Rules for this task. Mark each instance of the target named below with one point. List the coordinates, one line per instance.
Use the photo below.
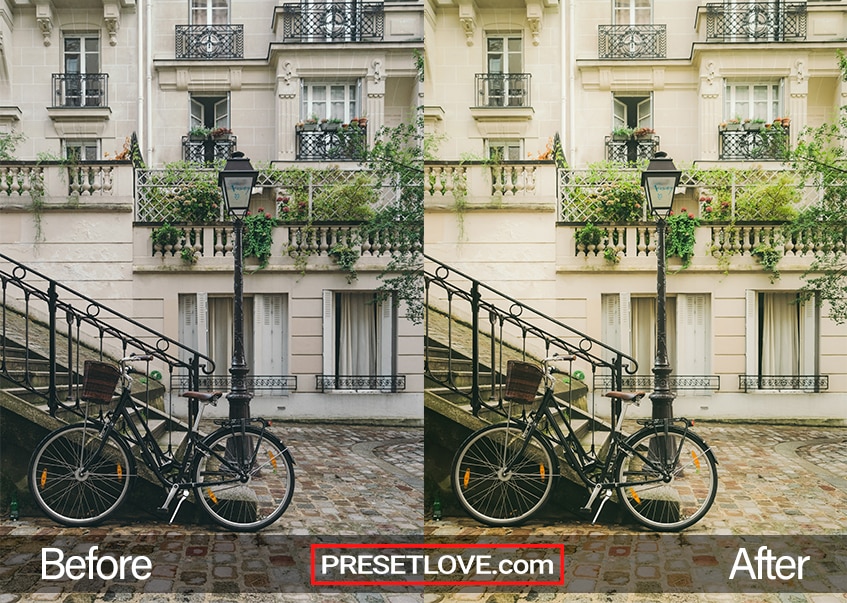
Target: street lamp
(237, 180)
(659, 181)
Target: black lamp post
(659, 181)
(237, 180)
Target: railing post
(52, 396)
(476, 403)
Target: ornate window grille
(503, 89)
(361, 382)
(755, 21)
(333, 22)
(632, 150)
(677, 382)
(632, 41)
(255, 383)
(765, 144)
(209, 41)
(80, 89)
(207, 151)
(815, 383)
(343, 145)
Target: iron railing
(348, 144)
(315, 22)
(766, 144)
(755, 21)
(80, 90)
(632, 41)
(676, 382)
(384, 383)
(263, 384)
(207, 150)
(814, 383)
(631, 150)
(209, 42)
(502, 89)
(43, 322)
(512, 329)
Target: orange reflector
(212, 496)
(467, 478)
(44, 478)
(120, 473)
(635, 496)
(541, 471)
(696, 460)
(273, 458)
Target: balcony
(329, 22)
(755, 21)
(502, 89)
(765, 144)
(209, 42)
(630, 150)
(344, 144)
(207, 150)
(632, 41)
(72, 90)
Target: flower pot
(330, 126)
(753, 126)
(733, 127)
(310, 127)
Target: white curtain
(357, 334)
(780, 334)
(221, 326)
(643, 332)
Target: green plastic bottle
(436, 508)
(13, 507)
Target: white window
(358, 340)
(83, 86)
(629, 325)
(782, 338)
(209, 12)
(206, 325)
(632, 12)
(209, 111)
(82, 150)
(753, 100)
(632, 111)
(330, 100)
(505, 150)
(505, 86)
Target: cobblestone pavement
(783, 483)
(353, 483)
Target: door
(83, 84)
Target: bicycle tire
(264, 471)
(690, 481)
(491, 495)
(64, 493)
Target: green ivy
(681, 236)
(257, 237)
(346, 257)
(768, 256)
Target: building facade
(195, 81)
(620, 80)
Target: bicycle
(664, 474)
(241, 474)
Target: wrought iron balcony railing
(80, 89)
(677, 382)
(632, 41)
(755, 21)
(348, 144)
(333, 22)
(631, 150)
(814, 383)
(207, 150)
(209, 42)
(769, 144)
(361, 382)
(502, 89)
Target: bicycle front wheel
(500, 477)
(668, 478)
(77, 478)
(245, 479)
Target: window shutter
(386, 365)
(645, 113)
(809, 337)
(328, 333)
(751, 332)
(610, 330)
(693, 334)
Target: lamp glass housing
(660, 180)
(237, 180)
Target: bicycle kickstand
(183, 498)
(586, 510)
(165, 505)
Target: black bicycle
(241, 474)
(664, 474)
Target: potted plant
(165, 237)
(311, 123)
(644, 133)
(331, 125)
(363, 122)
(754, 125)
(622, 133)
(733, 123)
(219, 133)
(198, 133)
(589, 236)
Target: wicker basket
(99, 382)
(522, 381)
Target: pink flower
(286, 209)
(691, 216)
(709, 208)
(268, 216)
(261, 210)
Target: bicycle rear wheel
(500, 478)
(246, 481)
(78, 479)
(672, 477)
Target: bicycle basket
(99, 382)
(522, 381)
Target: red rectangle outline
(559, 582)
